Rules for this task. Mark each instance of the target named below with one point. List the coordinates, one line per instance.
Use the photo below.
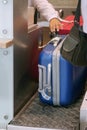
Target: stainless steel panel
(25, 86)
(16, 60)
(24, 43)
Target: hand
(55, 24)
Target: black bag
(74, 47)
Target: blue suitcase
(60, 83)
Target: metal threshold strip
(12, 127)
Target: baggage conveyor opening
(18, 87)
(37, 115)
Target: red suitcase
(68, 25)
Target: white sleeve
(45, 8)
(84, 14)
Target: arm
(84, 14)
(48, 12)
(45, 8)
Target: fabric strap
(78, 14)
(35, 16)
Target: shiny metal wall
(24, 45)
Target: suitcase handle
(53, 34)
(55, 41)
(44, 79)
